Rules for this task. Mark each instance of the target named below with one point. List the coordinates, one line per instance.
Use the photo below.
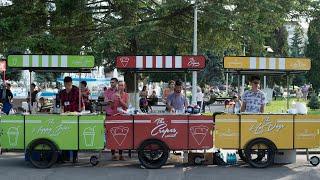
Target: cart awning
(161, 63)
(268, 64)
(51, 62)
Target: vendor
(176, 102)
(109, 94)
(69, 97)
(85, 93)
(254, 100)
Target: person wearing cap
(254, 100)
(69, 97)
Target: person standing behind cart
(69, 102)
(34, 93)
(120, 104)
(69, 97)
(85, 93)
(254, 100)
(108, 95)
(176, 102)
(6, 98)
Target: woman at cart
(120, 105)
(254, 100)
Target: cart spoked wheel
(94, 160)
(42, 153)
(314, 160)
(153, 153)
(260, 153)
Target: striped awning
(267, 63)
(50, 61)
(161, 62)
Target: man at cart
(254, 100)
(176, 102)
(69, 99)
(108, 95)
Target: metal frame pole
(288, 93)
(135, 89)
(80, 95)
(30, 100)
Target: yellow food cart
(258, 137)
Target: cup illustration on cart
(119, 134)
(199, 133)
(89, 135)
(13, 135)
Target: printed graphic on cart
(89, 134)
(193, 62)
(266, 126)
(229, 133)
(306, 134)
(199, 133)
(124, 61)
(13, 135)
(119, 133)
(162, 129)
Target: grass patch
(280, 106)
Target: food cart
(154, 135)
(258, 137)
(44, 136)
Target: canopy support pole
(239, 91)
(135, 90)
(227, 83)
(80, 95)
(30, 100)
(185, 83)
(288, 93)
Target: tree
(296, 47)
(313, 52)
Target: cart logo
(89, 134)
(119, 134)
(229, 133)
(124, 61)
(13, 135)
(266, 126)
(162, 129)
(53, 128)
(199, 133)
(306, 134)
(193, 62)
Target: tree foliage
(108, 28)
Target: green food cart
(44, 136)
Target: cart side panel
(119, 132)
(226, 131)
(171, 129)
(278, 128)
(61, 130)
(200, 131)
(12, 132)
(91, 132)
(307, 131)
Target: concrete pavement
(13, 166)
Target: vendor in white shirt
(254, 100)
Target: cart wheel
(42, 153)
(153, 153)
(260, 153)
(198, 160)
(314, 160)
(94, 160)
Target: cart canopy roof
(55, 63)
(266, 65)
(161, 63)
